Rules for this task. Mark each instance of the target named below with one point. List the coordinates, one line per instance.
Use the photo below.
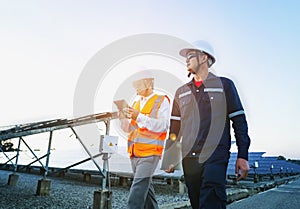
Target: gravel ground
(68, 194)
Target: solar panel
(264, 164)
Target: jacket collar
(210, 76)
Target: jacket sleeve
(237, 115)
(174, 132)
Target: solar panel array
(266, 165)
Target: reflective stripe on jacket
(141, 141)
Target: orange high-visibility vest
(141, 141)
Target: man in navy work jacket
(200, 120)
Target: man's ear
(204, 58)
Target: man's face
(191, 59)
(194, 59)
(143, 86)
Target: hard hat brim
(184, 51)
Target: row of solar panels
(10, 132)
(264, 165)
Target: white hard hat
(143, 79)
(202, 46)
(143, 74)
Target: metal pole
(83, 161)
(87, 151)
(48, 155)
(24, 166)
(17, 156)
(105, 160)
(106, 171)
(9, 160)
(32, 152)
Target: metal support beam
(9, 160)
(24, 166)
(87, 151)
(36, 157)
(52, 125)
(105, 161)
(75, 164)
(103, 197)
(17, 155)
(48, 155)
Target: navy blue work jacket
(201, 119)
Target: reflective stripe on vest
(147, 141)
(141, 141)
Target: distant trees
(280, 157)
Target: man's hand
(131, 113)
(171, 169)
(241, 168)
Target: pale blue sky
(44, 46)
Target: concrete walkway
(282, 197)
(261, 195)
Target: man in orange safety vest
(147, 122)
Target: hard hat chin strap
(199, 65)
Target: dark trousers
(206, 183)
